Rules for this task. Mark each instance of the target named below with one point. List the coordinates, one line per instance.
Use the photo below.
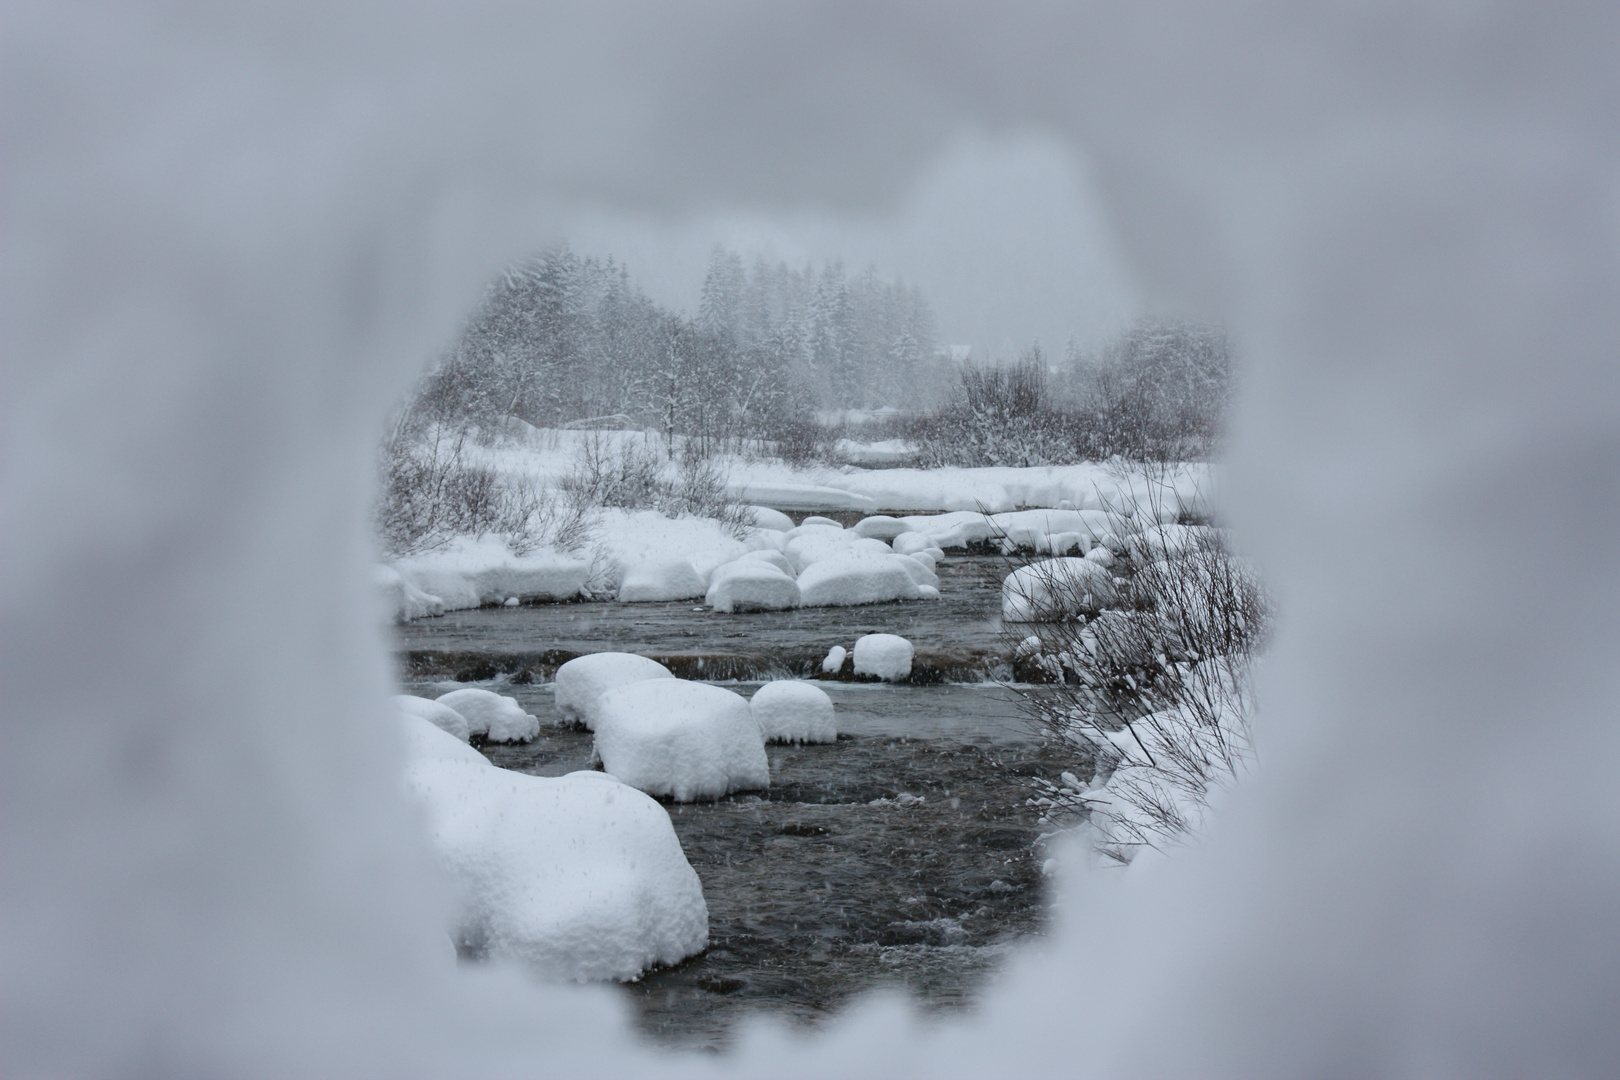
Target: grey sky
(1001, 234)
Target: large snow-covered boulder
(805, 550)
(496, 717)
(436, 713)
(582, 681)
(687, 740)
(754, 586)
(888, 656)
(764, 517)
(793, 711)
(857, 579)
(580, 876)
(403, 600)
(1051, 589)
(661, 580)
(817, 519)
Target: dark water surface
(902, 855)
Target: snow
(853, 579)
(880, 527)
(888, 656)
(436, 713)
(582, 681)
(766, 518)
(1171, 541)
(881, 452)
(686, 740)
(921, 573)
(495, 716)
(663, 579)
(744, 586)
(816, 519)
(580, 876)
(402, 600)
(791, 711)
(833, 662)
(1101, 556)
(1053, 588)
(470, 572)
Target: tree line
(563, 339)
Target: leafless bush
(429, 495)
(631, 474)
(1149, 680)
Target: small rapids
(900, 856)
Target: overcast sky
(1001, 235)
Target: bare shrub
(1150, 688)
(428, 495)
(631, 474)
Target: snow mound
(764, 517)
(922, 573)
(436, 713)
(856, 579)
(1101, 556)
(580, 876)
(817, 519)
(473, 572)
(494, 716)
(1048, 590)
(756, 586)
(583, 680)
(834, 661)
(660, 580)
(802, 551)
(793, 711)
(888, 656)
(687, 740)
(401, 599)
(915, 543)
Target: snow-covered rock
(1053, 588)
(582, 681)
(834, 660)
(687, 740)
(802, 551)
(928, 558)
(823, 527)
(888, 656)
(817, 519)
(494, 716)
(580, 876)
(660, 580)
(401, 599)
(1101, 556)
(756, 586)
(764, 517)
(793, 711)
(436, 713)
(856, 579)
(473, 572)
(921, 573)
(880, 527)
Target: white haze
(1002, 235)
(233, 234)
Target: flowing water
(900, 856)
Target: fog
(1003, 234)
(233, 236)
